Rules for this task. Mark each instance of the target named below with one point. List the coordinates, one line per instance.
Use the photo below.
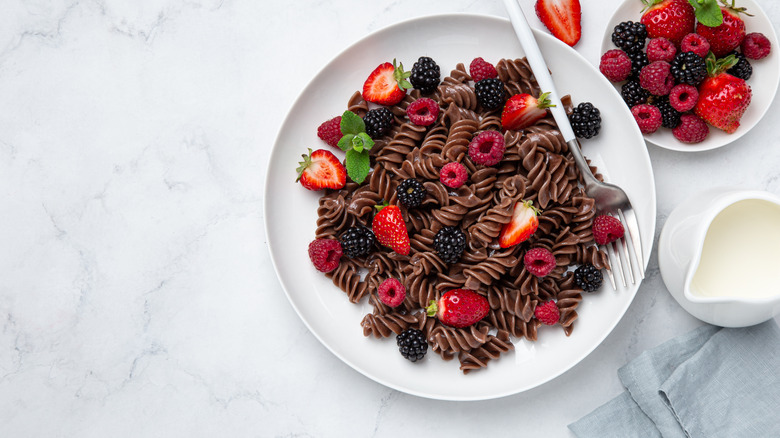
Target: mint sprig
(707, 12)
(356, 143)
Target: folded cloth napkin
(711, 382)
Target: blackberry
(412, 344)
(425, 75)
(378, 122)
(357, 242)
(742, 69)
(411, 192)
(688, 68)
(630, 36)
(490, 93)
(638, 62)
(633, 93)
(585, 120)
(449, 243)
(588, 278)
(670, 117)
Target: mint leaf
(351, 123)
(707, 12)
(358, 164)
(364, 141)
(345, 143)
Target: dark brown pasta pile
(536, 166)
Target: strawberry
(321, 170)
(562, 18)
(522, 110)
(723, 98)
(729, 35)
(459, 308)
(390, 229)
(387, 84)
(522, 225)
(670, 19)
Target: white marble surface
(137, 296)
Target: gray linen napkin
(711, 382)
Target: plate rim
(539, 34)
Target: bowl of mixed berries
(696, 74)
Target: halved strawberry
(523, 110)
(321, 170)
(522, 226)
(387, 84)
(562, 17)
(390, 229)
(459, 308)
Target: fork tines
(620, 255)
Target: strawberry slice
(562, 17)
(523, 110)
(459, 308)
(387, 84)
(390, 229)
(321, 170)
(522, 226)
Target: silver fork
(610, 199)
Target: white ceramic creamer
(719, 255)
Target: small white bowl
(763, 82)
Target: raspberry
(647, 117)
(692, 129)
(588, 278)
(607, 229)
(453, 175)
(412, 344)
(657, 78)
(330, 131)
(683, 97)
(490, 93)
(391, 292)
(487, 148)
(378, 122)
(693, 42)
(325, 254)
(539, 261)
(756, 46)
(660, 49)
(411, 192)
(425, 75)
(480, 69)
(615, 65)
(423, 111)
(547, 313)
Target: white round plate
(290, 210)
(763, 82)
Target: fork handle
(539, 67)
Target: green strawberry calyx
(717, 66)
